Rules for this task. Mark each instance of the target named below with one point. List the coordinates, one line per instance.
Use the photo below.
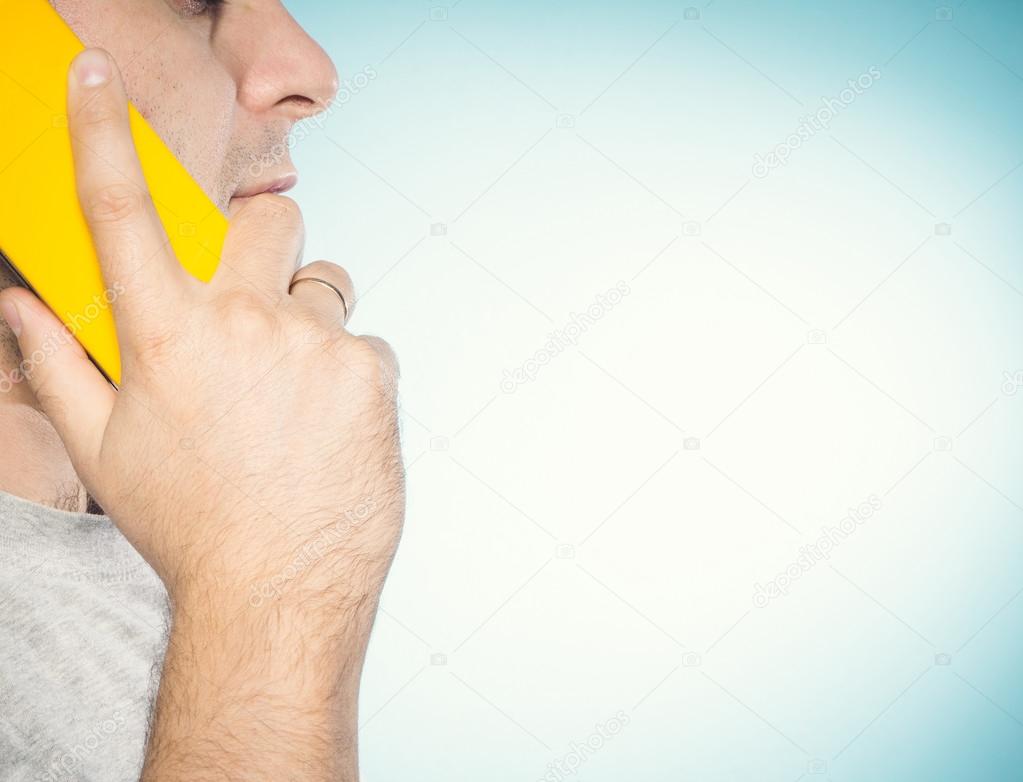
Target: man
(249, 461)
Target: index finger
(133, 248)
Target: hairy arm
(267, 693)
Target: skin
(251, 454)
(223, 87)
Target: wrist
(302, 584)
(329, 628)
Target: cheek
(171, 76)
(192, 108)
(195, 123)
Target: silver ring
(325, 284)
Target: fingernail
(10, 313)
(92, 68)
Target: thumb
(72, 393)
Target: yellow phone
(43, 234)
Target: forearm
(268, 693)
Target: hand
(249, 423)
(251, 454)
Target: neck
(34, 464)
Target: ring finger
(326, 289)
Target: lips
(276, 186)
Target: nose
(278, 68)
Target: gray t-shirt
(83, 630)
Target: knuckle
(245, 314)
(278, 211)
(99, 113)
(327, 269)
(315, 331)
(372, 362)
(266, 221)
(360, 354)
(116, 202)
(386, 355)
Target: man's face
(221, 82)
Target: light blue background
(567, 557)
